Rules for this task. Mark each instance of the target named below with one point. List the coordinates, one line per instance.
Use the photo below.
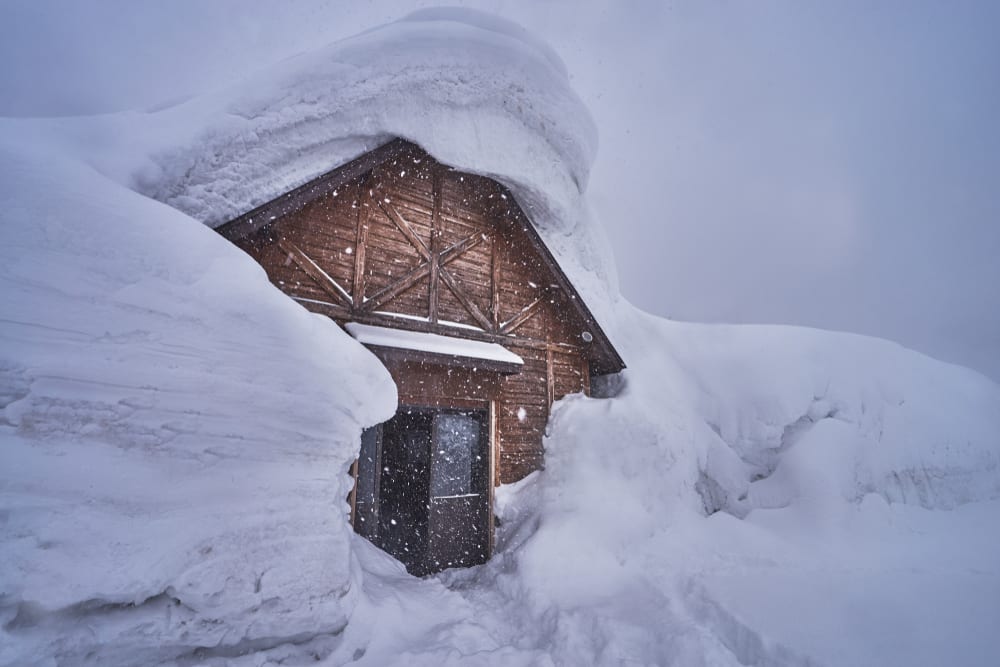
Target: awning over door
(471, 351)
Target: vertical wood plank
(432, 291)
(496, 247)
(494, 477)
(353, 496)
(364, 212)
(550, 376)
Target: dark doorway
(423, 488)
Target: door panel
(458, 533)
(423, 488)
(403, 488)
(459, 500)
(367, 493)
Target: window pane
(456, 443)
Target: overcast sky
(828, 164)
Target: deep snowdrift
(168, 482)
(174, 431)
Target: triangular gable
(603, 356)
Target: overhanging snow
(432, 343)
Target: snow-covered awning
(431, 343)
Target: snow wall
(175, 433)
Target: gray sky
(828, 164)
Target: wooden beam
(453, 251)
(526, 314)
(432, 306)
(550, 377)
(473, 309)
(495, 259)
(352, 497)
(404, 227)
(361, 242)
(324, 308)
(313, 270)
(494, 477)
(393, 290)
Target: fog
(833, 165)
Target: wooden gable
(396, 239)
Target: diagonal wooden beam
(526, 314)
(404, 227)
(453, 251)
(313, 270)
(473, 309)
(409, 279)
(389, 292)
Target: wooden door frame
(490, 410)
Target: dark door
(403, 486)
(423, 488)
(459, 490)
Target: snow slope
(175, 432)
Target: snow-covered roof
(475, 91)
(432, 343)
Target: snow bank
(808, 415)
(174, 431)
(169, 486)
(832, 458)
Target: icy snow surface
(174, 432)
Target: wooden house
(443, 277)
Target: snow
(175, 433)
(856, 510)
(428, 342)
(167, 486)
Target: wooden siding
(411, 243)
(431, 385)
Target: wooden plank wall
(414, 244)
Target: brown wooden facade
(399, 240)
(396, 239)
